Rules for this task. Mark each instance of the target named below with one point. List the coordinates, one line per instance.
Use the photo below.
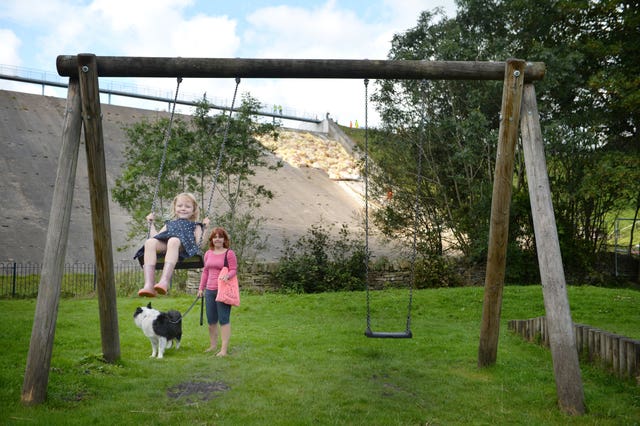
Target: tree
(134, 190)
(588, 103)
(448, 122)
(196, 161)
(237, 196)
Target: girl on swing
(177, 239)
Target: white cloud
(327, 30)
(10, 45)
(317, 32)
(206, 37)
(40, 31)
(34, 12)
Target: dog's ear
(138, 311)
(149, 305)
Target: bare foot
(221, 353)
(210, 349)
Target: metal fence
(122, 88)
(18, 280)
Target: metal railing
(21, 280)
(113, 88)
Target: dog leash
(190, 307)
(201, 310)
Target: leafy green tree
(234, 198)
(449, 124)
(589, 112)
(196, 161)
(134, 190)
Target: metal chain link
(167, 136)
(366, 200)
(416, 216)
(366, 219)
(221, 155)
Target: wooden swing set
(519, 109)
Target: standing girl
(217, 312)
(178, 239)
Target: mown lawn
(303, 359)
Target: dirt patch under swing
(201, 391)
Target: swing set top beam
(131, 66)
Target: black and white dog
(162, 328)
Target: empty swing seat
(389, 334)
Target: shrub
(317, 263)
(435, 272)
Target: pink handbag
(228, 291)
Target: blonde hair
(196, 209)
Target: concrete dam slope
(30, 140)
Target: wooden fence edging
(617, 353)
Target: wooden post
(500, 203)
(566, 364)
(632, 349)
(615, 353)
(36, 377)
(100, 219)
(578, 330)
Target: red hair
(219, 232)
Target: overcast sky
(34, 32)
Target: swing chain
(416, 208)
(167, 136)
(366, 198)
(222, 145)
(197, 260)
(407, 333)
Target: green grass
(356, 135)
(303, 359)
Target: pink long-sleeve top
(213, 264)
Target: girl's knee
(173, 243)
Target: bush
(435, 272)
(317, 263)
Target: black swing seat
(193, 262)
(389, 335)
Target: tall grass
(303, 359)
